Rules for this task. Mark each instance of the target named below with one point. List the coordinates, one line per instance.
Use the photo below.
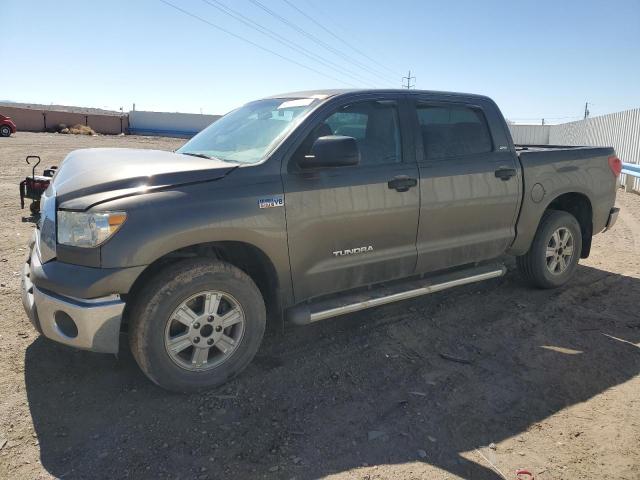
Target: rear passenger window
(453, 130)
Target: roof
(326, 93)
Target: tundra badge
(351, 251)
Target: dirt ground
(552, 381)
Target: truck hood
(95, 175)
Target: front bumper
(92, 324)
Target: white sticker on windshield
(299, 102)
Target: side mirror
(332, 151)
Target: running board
(305, 314)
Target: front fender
(162, 222)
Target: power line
(239, 37)
(334, 35)
(288, 43)
(408, 78)
(317, 40)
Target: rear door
(469, 183)
(357, 225)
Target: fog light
(65, 324)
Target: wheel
(555, 251)
(197, 324)
(5, 131)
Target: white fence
(168, 124)
(619, 130)
(530, 134)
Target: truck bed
(551, 171)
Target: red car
(7, 127)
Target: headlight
(83, 229)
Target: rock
(492, 446)
(274, 468)
(375, 434)
(422, 453)
(432, 439)
(419, 394)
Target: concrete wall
(32, 120)
(168, 124)
(530, 134)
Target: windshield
(247, 134)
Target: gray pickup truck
(298, 208)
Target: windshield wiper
(199, 155)
(208, 157)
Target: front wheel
(5, 131)
(555, 251)
(197, 324)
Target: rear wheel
(555, 251)
(5, 131)
(197, 324)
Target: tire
(5, 131)
(161, 323)
(536, 266)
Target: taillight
(615, 164)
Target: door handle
(402, 183)
(504, 173)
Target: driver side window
(373, 124)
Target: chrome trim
(396, 297)
(98, 320)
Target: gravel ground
(551, 385)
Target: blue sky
(535, 58)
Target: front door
(356, 225)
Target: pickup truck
(298, 208)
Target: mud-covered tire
(156, 303)
(534, 265)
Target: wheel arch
(247, 257)
(579, 205)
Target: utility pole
(586, 109)
(409, 78)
